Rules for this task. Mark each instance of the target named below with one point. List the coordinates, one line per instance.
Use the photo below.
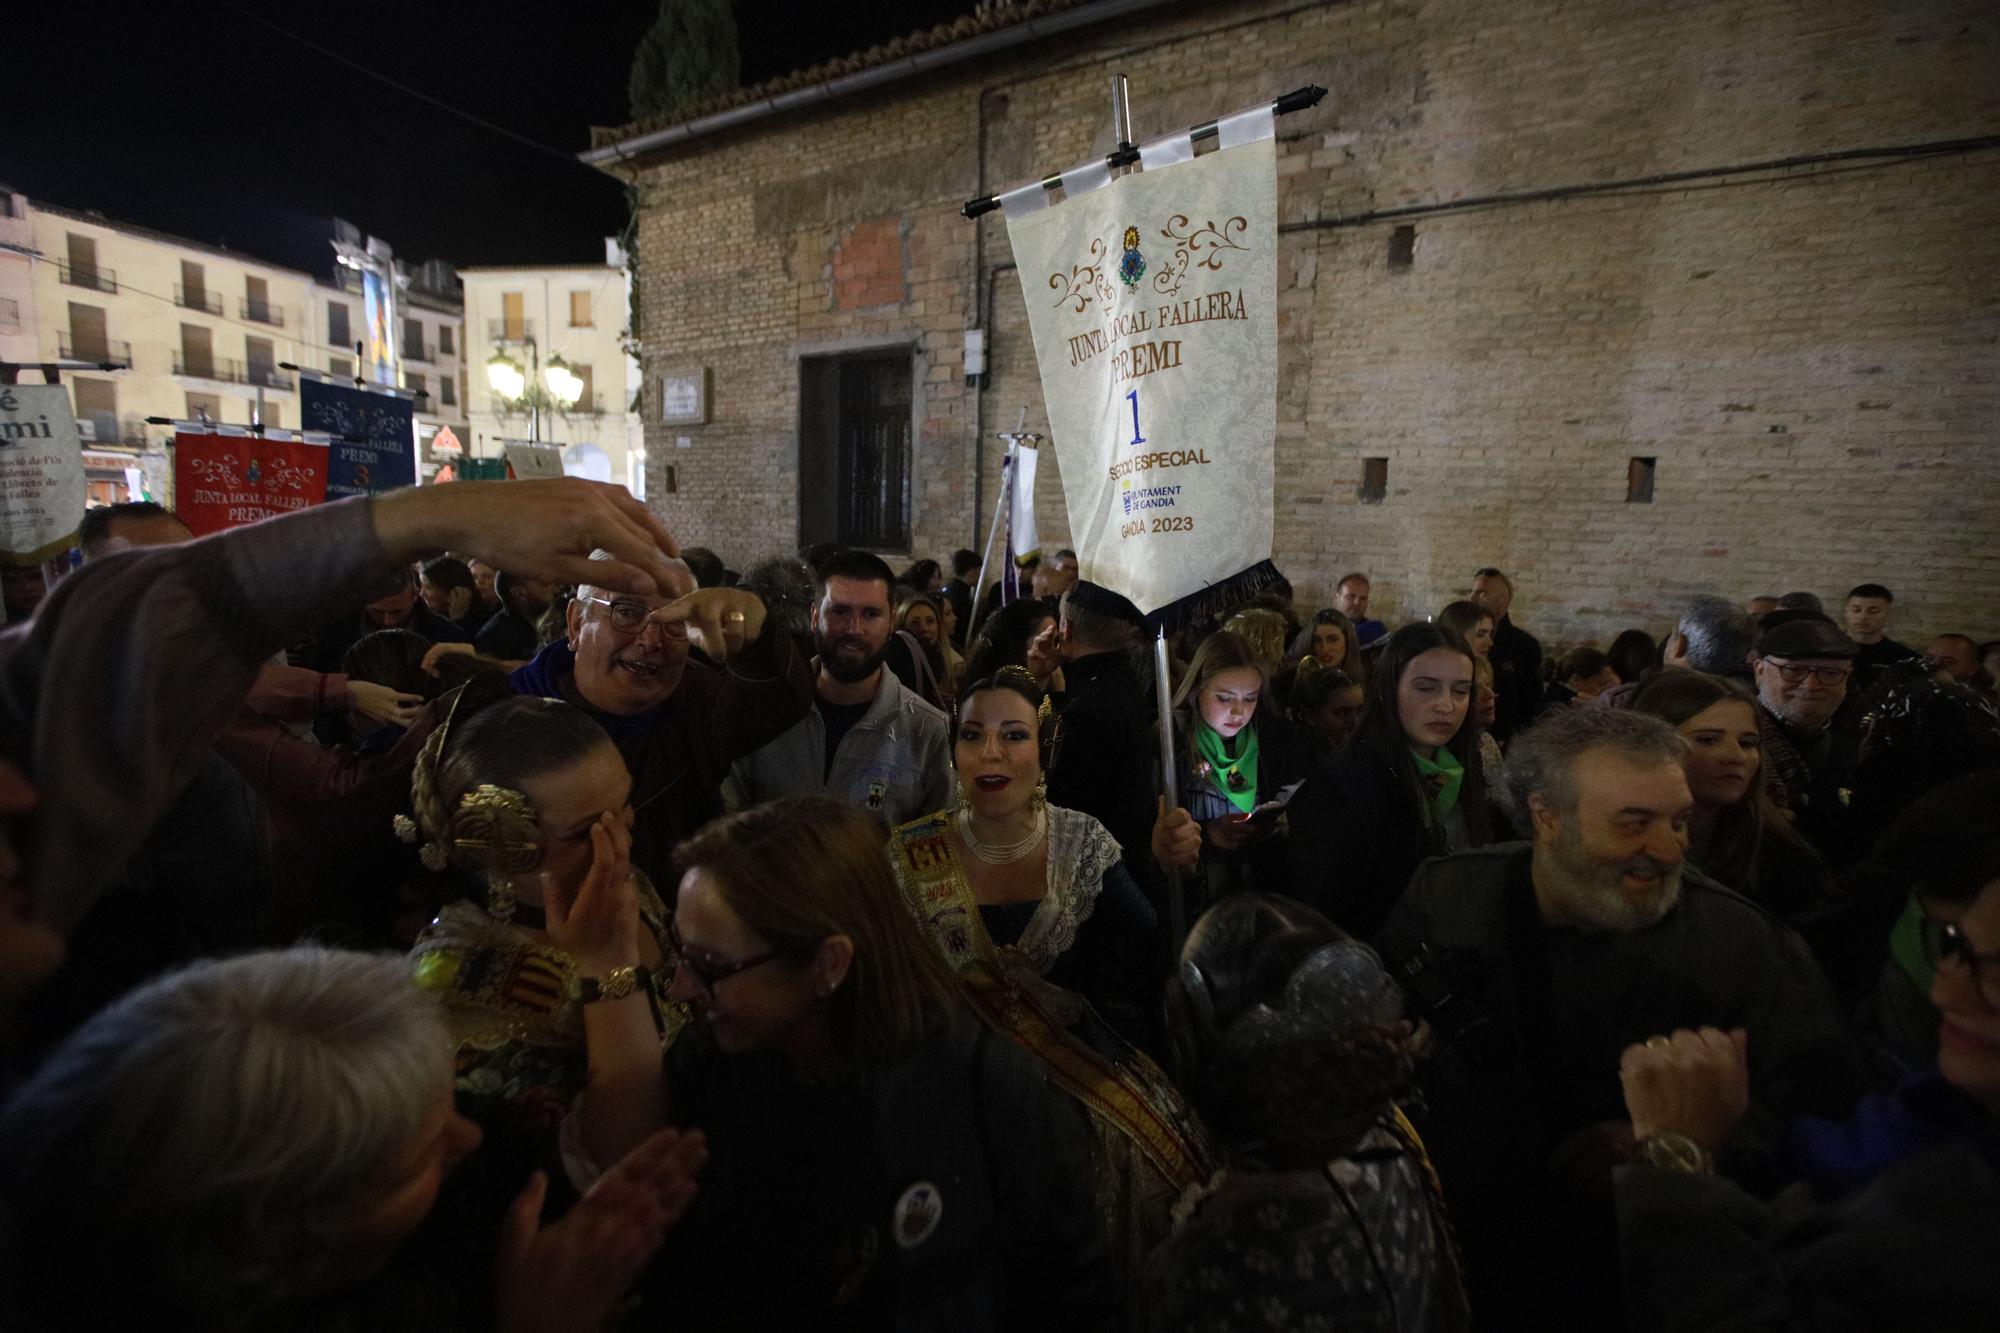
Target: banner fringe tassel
(1214, 601)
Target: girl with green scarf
(1234, 757)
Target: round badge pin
(918, 1212)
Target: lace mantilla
(1080, 851)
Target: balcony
(589, 405)
(96, 279)
(197, 299)
(269, 376)
(209, 368)
(262, 312)
(98, 351)
(108, 428)
(417, 352)
(509, 331)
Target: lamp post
(562, 385)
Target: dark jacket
(509, 636)
(334, 640)
(1911, 1248)
(1105, 758)
(1357, 835)
(1516, 657)
(959, 593)
(799, 1201)
(1813, 777)
(194, 890)
(1260, 867)
(1871, 660)
(1528, 1047)
(680, 752)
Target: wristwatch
(1676, 1152)
(613, 985)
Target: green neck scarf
(1440, 778)
(1234, 778)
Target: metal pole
(1000, 506)
(534, 398)
(1164, 696)
(1121, 113)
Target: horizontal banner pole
(345, 382)
(1299, 99)
(278, 433)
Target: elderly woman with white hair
(257, 1143)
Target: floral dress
(521, 1060)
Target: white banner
(1153, 302)
(1023, 540)
(41, 473)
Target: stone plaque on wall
(684, 399)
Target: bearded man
(868, 739)
(1536, 963)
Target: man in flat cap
(1803, 663)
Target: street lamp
(503, 372)
(564, 383)
(555, 383)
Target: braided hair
(465, 790)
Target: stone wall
(1808, 352)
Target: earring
(1041, 800)
(499, 899)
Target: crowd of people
(465, 908)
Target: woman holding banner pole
(1032, 908)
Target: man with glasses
(1802, 666)
(679, 720)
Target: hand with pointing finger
(721, 621)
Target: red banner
(225, 481)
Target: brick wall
(1808, 353)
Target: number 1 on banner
(1137, 438)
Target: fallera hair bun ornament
(498, 828)
(494, 829)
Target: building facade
(197, 332)
(430, 345)
(1744, 378)
(532, 315)
(185, 330)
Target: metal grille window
(855, 442)
(336, 326)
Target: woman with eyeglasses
(679, 717)
(877, 1159)
(1893, 1223)
(523, 807)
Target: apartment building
(528, 317)
(430, 345)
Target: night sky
(197, 120)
